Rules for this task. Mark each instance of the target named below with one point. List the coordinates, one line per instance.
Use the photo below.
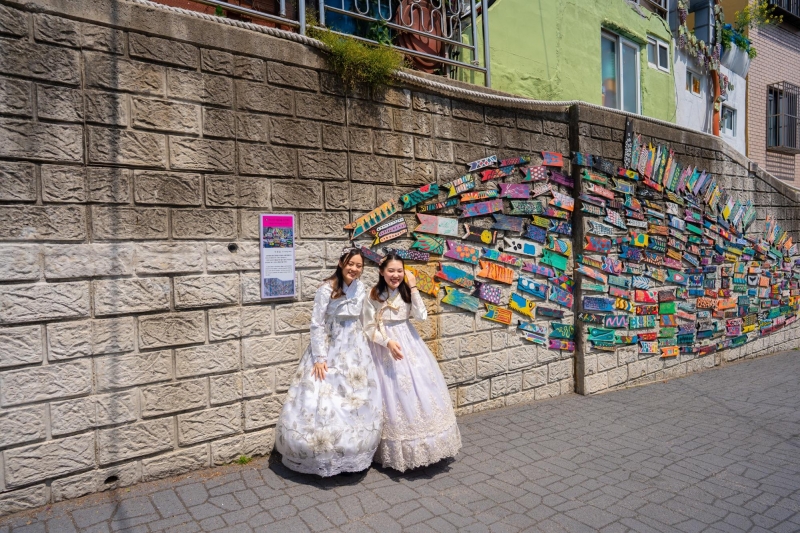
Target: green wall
(550, 50)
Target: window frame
(658, 44)
(621, 76)
(732, 130)
(693, 74)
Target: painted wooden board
(366, 222)
(425, 282)
(591, 318)
(598, 228)
(481, 235)
(460, 299)
(615, 219)
(517, 191)
(521, 305)
(540, 189)
(532, 327)
(437, 225)
(495, 272)
(462, 252)
(561, 179)
(555, 260)
(561, 297)
(532, 287)
(562, 331)
(436, 206)
(498, 314)
(522, 207)
(598, 303)
(522, 247)
(615, 321)
(563, 201)
(552, 159)
(488, 293)
(561, 345)
(611, 265)
(375, 257)
(418, 196)
(501, 257)
(519, 160)
(540, 173)
(455, 275)
(428, 243)
(508, 223)
(559, 246)
(541, 270)
(591, 273)
(409, 255)
(535, 233)
(481, 208)
(562, 228)
(463, 184)
(389, 230)
(564, 281)
(482, 163)
(594, 287)
(497, 173)
(476, 196)
(549, 312)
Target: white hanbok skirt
(332, 426)
(419, 425)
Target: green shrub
(243, 459)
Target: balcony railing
(783, 122)
(438, 36)
(790, 9)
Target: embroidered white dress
(419, 425)
(332, 426)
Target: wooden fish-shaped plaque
(508, 223)
(388, 231)
(437, 225)
(409, 255)
(522, 305)
(366, 222)
(435, 206)
(532, 287)
(425, 283)
(495, 272)
(428, 243)
(481, 208)
(552, 159)
(497, 255)
(488, 293)
(498, 314)
(518, 246)
(496, 173)
(418, 196)
(518, 191)
(462, 252)
(476, 196)
(460, 299)
(463, 184)
(484, 236)
(455, 275)
(482, 163)
(375, 257)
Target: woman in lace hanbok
(331, 419)
(419, 425)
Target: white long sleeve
(319, 334)
(370, 322)
(418, 309)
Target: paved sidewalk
(717, 451)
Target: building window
(692, 82)
(661, 7)
(728, 121)
(658, 54)
(620, 72)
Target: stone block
(478, 392)
(320, 107)
(323, 225)
(297, 194)
(158, 400)
(220, 259)
(203, 224)
(21, 262)
(255, 192)
(292, 132)
(13, 21)
(167, 188)
(35, 140)
(222, 191)
(293, 317)
(207, 359)
(116, 408)
(164, 115)
(59, 103)
(334, 137)
(393, 144)
(216, 61)
(359, 140)
(17, 98)
(129, 148)
(250, 68)
(284, 375)
(20, 346)
(337, 196)
(226, 388)
(209, 424)
(168, 257)
(163, 50)
(201, 154)
(515, 140)
(68, 340)
(224, 323)
(369, 115)
(88, 260)
(261, 160)
(108, 185)
(476, 343)
(559, 370)
(197, 87)
(490, 364)
(458, 370)
(433, 149)
(113, 297)
(134, 440)
(251, 288)
(45, 383)
(95, 481)
(118, 371)
(171, 329)
(261, 351)
(32, 302)
(27, 498)
(205, 291)
(128, 223)
(256, 443)
(258, 382)
(63, 183)
(66, 32)
(39, 61)
(17, 181)
(485, 135)
(295, 77)
(548, 391)
(262, 412)
(218, 123)
(105, 71)
(617, 376)
(432, 104)
(175, 463)
(37, 462)
(72, 416)
(595, 383)
(251, 127)
(522, 356)
(448, 128)
(18, 426)
(534, 377)
(263, 98)
(323, 165)
(309, 254)
(414, 173)
(372, 169)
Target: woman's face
(393, 273)
(352, 269)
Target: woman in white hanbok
(331, 418)
(419, 425)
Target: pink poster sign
(277, 256)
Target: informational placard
(277, 256)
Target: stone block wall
(137, 148)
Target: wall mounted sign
(488, 293)
(425, 283)
(481, 208)
(277, 256)
(521, 305)
(483, 163)
(455, 275)
(437, 225)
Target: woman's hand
(319, 371)
(411, 279)
(394, 348)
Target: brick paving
(716, 451)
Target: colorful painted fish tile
(591, 318)
(669, 351)
(593, 287)
(619, 292)
(520, 207)
(495, 272)
(425, 282)
(375, 257)
(648, 347)
(455, 275)
(549, 312)
(596, 244)
(642, 322)
(563, 201)
(640, 282)
(611, 265)
(615, 321)
(540, 189)
(498, 314)
(409, 255)
(561, 345)
(646, 310)
(484, 236)
(475, 196)
(667, 308)
(488, 293)
(594, 200)
(536, 338)
(481, 208)
(561, 297)
(428, 243)
(639, 239)
(588, 261)
(519, 246)
(598, 228)
(532, 327)
(372, 219)
(552, 159)
(615, 219)
(535, 233)
(521, 305)
(561, 179)
(389, 230)
(619, 281)
(496, 173)
(482, 163)
(497, 255)
(435, 206)
(418, 196)
(532, 287)
(559, 262)
(582, 159)
(562, 331)
(601, 335)
(591, 273)
(562, 228)
(514, 161)
(460, 299)
(540, 173)
(559, 246)
(644, 296)
(462, 184)
(592, 210)
(508, 223)
(437, 225)
(540, 270)
(599, 190)
(564, 281)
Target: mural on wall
(510, 226)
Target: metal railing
(790, 9)
(783, 118)
(441, 35)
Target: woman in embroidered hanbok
(419, 425)
(331, 418)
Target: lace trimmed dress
(419, 425)
(332, 426)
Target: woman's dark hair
(337, 279)
(381, 287)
